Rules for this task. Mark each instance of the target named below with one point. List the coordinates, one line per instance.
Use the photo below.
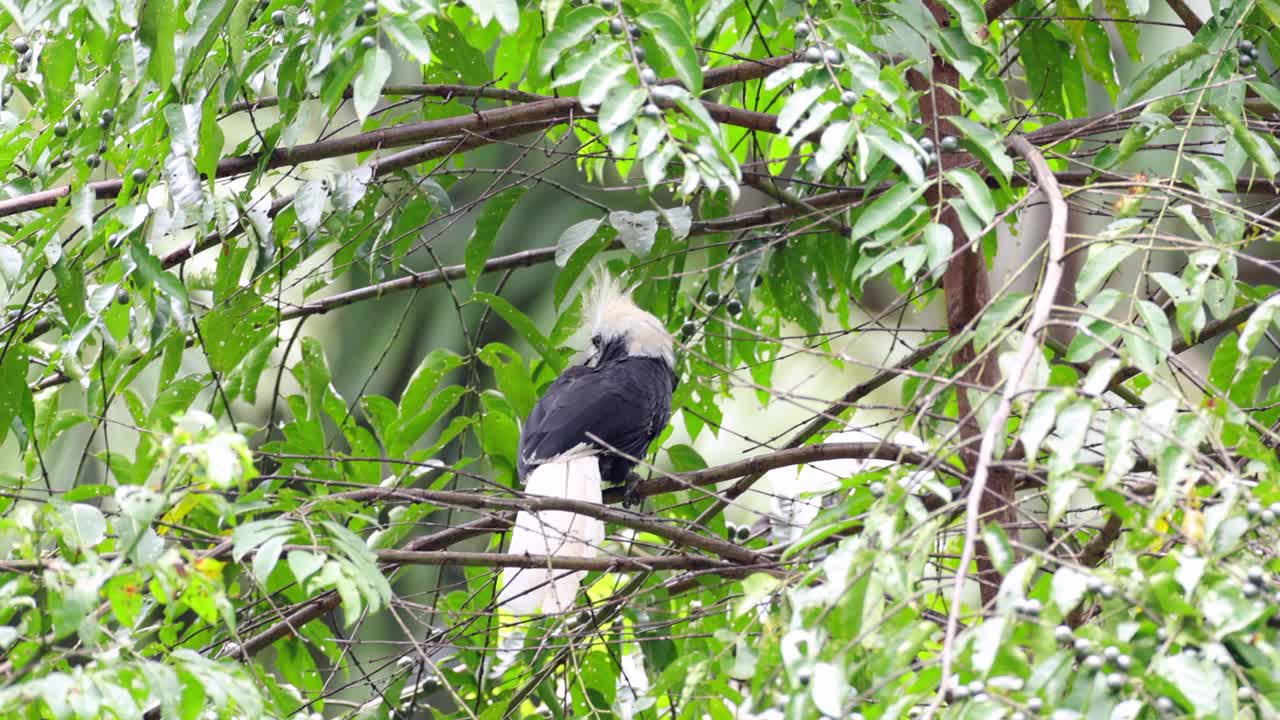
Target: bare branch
(1056, 240)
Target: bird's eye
(595, 341)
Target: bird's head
(620, 329)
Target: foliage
(205, 516)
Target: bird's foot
(631, 496)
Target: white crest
(613, 314)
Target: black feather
(624, 401)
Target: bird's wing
(612, 403)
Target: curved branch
(1030, 345)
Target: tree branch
(549, 110)
(454, 558)
(537, 503)
(995, 426)
(1190, 20)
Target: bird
(589, 428)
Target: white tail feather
(555, 533)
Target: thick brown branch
(558, 110)
(1190, 20)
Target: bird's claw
(630, 496)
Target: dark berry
(813, 55)
(367, 42)
(712, 298)
(648, 76)
(802, 30)
(93, 160)
(108, 116)
(277, 18)
(949, 143)
(734, 307)
(652, 111)
(60, 129)
(370, 9)
(848, 98)
(139, 176)
(635, 32)
(688, 329)
(20, 46)
(833, 56)
(616, 26)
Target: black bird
(590, 426)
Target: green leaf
(620, 107)
(573, 237)
(485, 234)
(374, 71)
(984, 143)
(208, 19)
(885, 209)
(579, 64)
(506, 12)
(70, 291)
(518, 322)
(577, 25)
(1257, 324)
(1039, 421)
(685, 459)
(1258, 150)
(796, 106)
(637, 231)
(159, 23)
(1069, 587)
(1194, 680)
(415, 420)
(1103, 260)
(409, 37)
(304, 564)
(1073, 426)
(1157, 324)
(512, 376)
(150, 270)
(834, 141)
(433, 368)
(677, 47)
(975, 192)
(1093, 46)
(57, 64)
(1004, 309)
(231, 329)
(1159, 69)
(939, 242)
